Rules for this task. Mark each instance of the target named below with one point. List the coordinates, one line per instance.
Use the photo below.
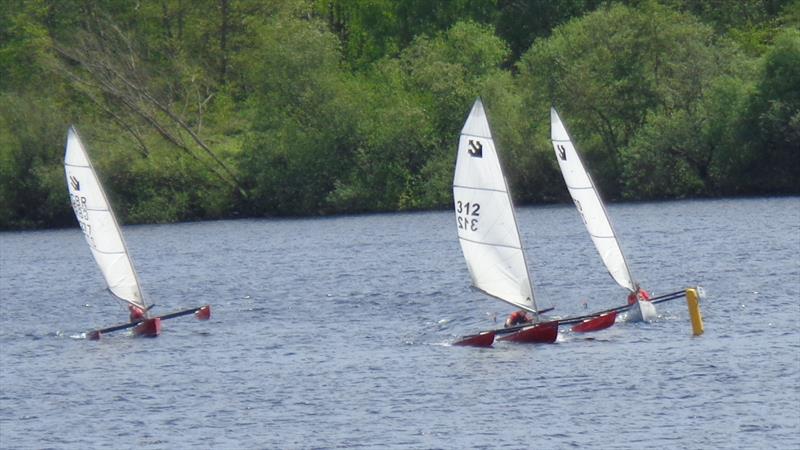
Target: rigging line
(490, 244)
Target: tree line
(203, 109)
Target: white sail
(487, 226)
(98, 223)
(589, 204)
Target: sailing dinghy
(595, 216)
(488, 232)
(102, 233)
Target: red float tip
(203, 313)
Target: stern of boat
(148, 328)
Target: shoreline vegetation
(219, 109)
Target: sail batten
(110, 253)
(476, 136)
(485, 217)
(99, 225)
(589, 204)
(490, 244)
(579, 188)
(475, 188)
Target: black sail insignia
(475, 149)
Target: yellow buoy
(693, 301)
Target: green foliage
(23, 42)
(448, 71)
(521, 22)
(738, 14)
(166, 186)
(303, 111)
(406, 156)
(32, 136)
(658, 163)
(626, 77)
(372, 29)
(773, 117)
(215, 108)
(527, 158)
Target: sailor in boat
(639, 295)
(518, 318)
(137, 314)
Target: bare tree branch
(106, 57)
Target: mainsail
(487, 226)
(98, 223)
(590, 206)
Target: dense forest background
(201, 109)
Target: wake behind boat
(102, 233)
(489, 235)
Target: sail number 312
(467, 215)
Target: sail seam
(75, 165)
(107, 253)
(478, 189)
(489, 244)
(476, 135)
(579, 188)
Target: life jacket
(515, 318)
(641, 294)
(136, 313)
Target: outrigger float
(151, 327)
(103, 234)
(492, 246)
(543, 332)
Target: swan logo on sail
(562, 153)
(75, 183)
(475, 149)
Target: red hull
(485, 339)
(596, 323)
(540, 333)
(93, 335)
(148, 328)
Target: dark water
(332, 333)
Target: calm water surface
(333, 333)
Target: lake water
(334, 333)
